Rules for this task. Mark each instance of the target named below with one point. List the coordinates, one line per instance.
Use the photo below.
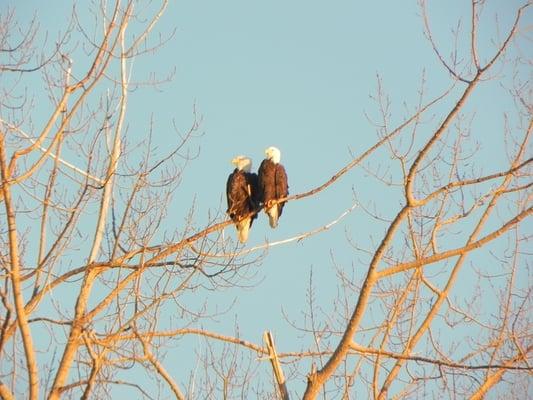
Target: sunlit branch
(441, 363)
(474, 181)
(53, 156)
(15, 263)
(458, 251)
(159, 368)
(268, 245)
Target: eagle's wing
(282, 185)
(261, 182)
(229, 184)
(253, 183)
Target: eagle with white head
(242, 196)
(273, 185)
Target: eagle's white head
(242, 163)
(273, 154)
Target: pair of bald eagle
(246, 190)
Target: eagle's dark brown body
(273, 185)
(242, 196)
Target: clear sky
(298, 75)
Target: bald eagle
(272, 184)
(241, 193)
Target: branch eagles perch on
(273, 185)
(242, 196)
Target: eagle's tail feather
(273, 216)
(243, 228)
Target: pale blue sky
(297, 75)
